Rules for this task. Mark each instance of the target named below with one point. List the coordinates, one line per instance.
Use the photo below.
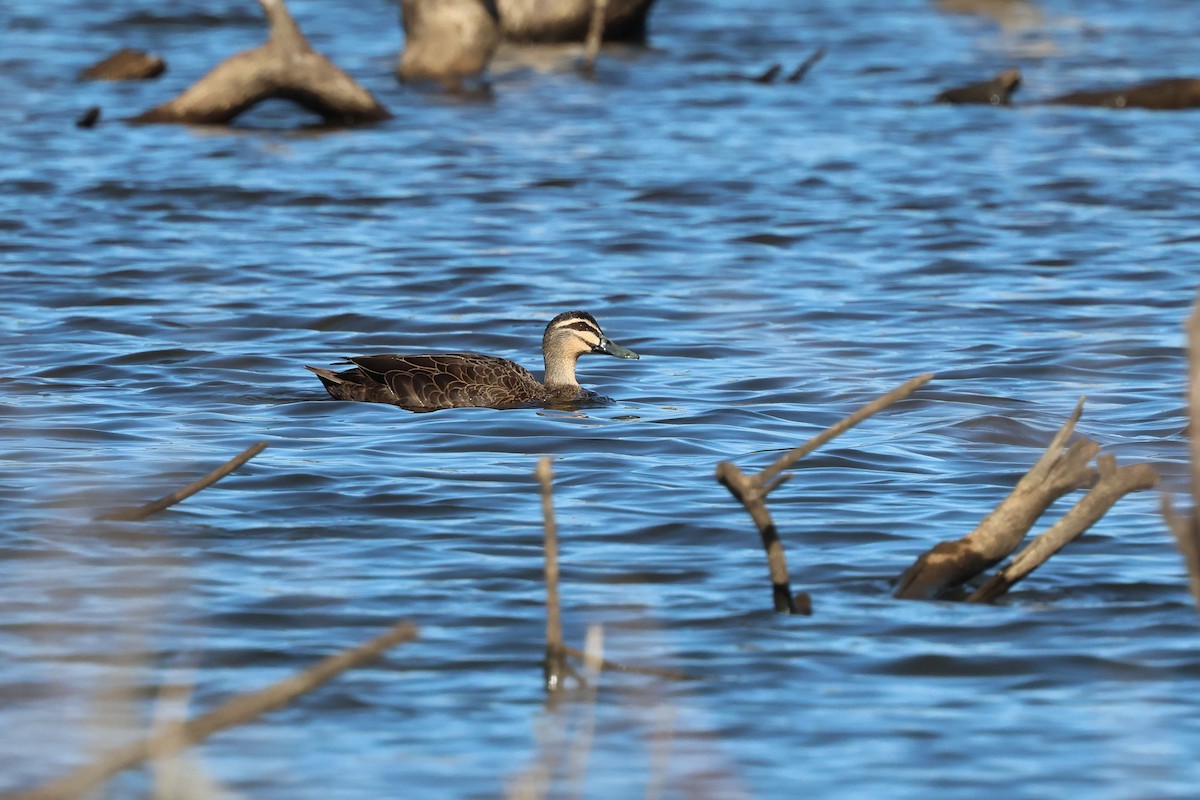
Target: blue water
(778, 255)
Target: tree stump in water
(285, 67)
(125, 65)
(447, 40)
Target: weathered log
(447, 41)
(1186, 526)
(996, 92)
(237, 710)
(752, 490)
(1056, 473)
(1167, 94)
(141, 512)
(562, 21)
(285, 67)
(1114, 484)
(126, 64)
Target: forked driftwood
(1056, 473)
(285, 67)
(235, 711)
(1186, 526)
(595, 36)
(555, 666)
(140, 513)
(1114, 484)
(752, 490)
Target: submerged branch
(1056, 473)
(554, 667)
(752, 490)
(1114, 484)
(149, 509)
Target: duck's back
(425, 382)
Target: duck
(433, 381)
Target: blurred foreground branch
(237, 710)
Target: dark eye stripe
(582, 326)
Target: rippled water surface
(778, 254)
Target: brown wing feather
(450, 380)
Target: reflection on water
(778, 255)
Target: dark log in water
(996, 92)
(1168, 94)
(1186, 526)
(171, 739)
(140, 513)
(1114, 484)
(752, 490)
(447, 41)
(286, 67)
(1055, 474)
(562, 21)
(126, 64)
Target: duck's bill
(611, 348)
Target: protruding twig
(1114, 484)
(134, 514)
(237, 710)
(802, 70)
(595, 35)
(1056, 473)
(285, 67)
(554, 667)
(769, 76)
(752, 490)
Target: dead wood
(554, 666)
(126, 64)
(448, 41)
(1186, 526)
(595, 36)
(285, 67)
(996, 92)
(566, 21)
(1056, 473)
(237, 710)
(1168, 94)
(140, 513)
(799, 72)
(752, 490)
(1114, 484)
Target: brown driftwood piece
(126, 64)
(1057, 472)
(752, 490)
(595, 36)
(1168, 94)
(237, 710)
(566, 21)
(1184, 526)
(285, 67)
(554, 667)
(1114, 484)
(799, 72)
(996, 92)
(135, 514)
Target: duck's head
(570, 335)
